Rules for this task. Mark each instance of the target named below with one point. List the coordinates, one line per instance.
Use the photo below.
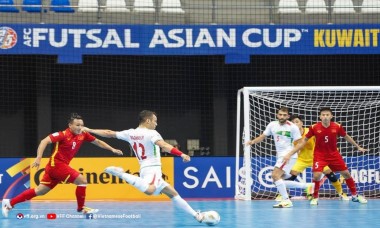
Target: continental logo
(346, 38)
(96, 177)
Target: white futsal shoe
(199, 216)
(113, 170)
(6, 207)
(284, 204)
(344, 197)
(89, 210)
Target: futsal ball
(211, 218)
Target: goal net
(356, 108)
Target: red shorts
(334, 161)
(60, 173)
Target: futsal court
(259, 213)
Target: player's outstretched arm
(299, 145)
(352, 141)
(104, 145)
(40, 151)
(172, 150)
(101, 132)
(256, 140)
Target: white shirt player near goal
(284, 133)
(146, 143)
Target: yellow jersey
(306, 154)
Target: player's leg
(317, 181)
(319, 163)
(293, 176)
(352, 187)
(297, 167)
(138, 182)
(335, 182)
(80, 193)
(44, 187)
(337, 163)
(277, 174)
(181, 203)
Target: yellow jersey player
(305, 160)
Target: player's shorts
(60, 173)
(334, 162)
(301, 165)
(285, 167)
(153, 175)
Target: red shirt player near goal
(67, 144)
(326, 152)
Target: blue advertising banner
(365, 171)
(205, 177)
(236, 42)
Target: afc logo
(8, 38)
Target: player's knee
(150, 191)
(332, 177)
(346, 174)
(291, 178)
(277, 174)
(80, 180)
(41, 190)
(317, 176)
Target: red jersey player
(67, 144)
(326, 152)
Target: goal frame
(243, 100)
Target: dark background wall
(194, 96)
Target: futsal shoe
(284, 204)
(359, 199)
(88, 210)
(199, 216)
(278, 198)
(314, 201)
(344, 197)
(6, 207)
(116, 171)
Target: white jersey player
(146, 143)
(284, 133)
(143, 142)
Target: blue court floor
(329, 213)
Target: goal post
(356, 108)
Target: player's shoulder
(274, 123)
(291, 124)
(314, 125)
(336, 124)
(65, 132)
(125, 132)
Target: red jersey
(67, 145)
(326, 137)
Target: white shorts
(287, 167)
(153, 175)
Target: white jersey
(283, 135)
(143, 141)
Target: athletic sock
(338, 187)
(316, 188)
(286, 176)
(138, 182)
(181, 203)
(80, 193)
(294, 184)
(282, 189)
(351, 185)
(24, 196)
